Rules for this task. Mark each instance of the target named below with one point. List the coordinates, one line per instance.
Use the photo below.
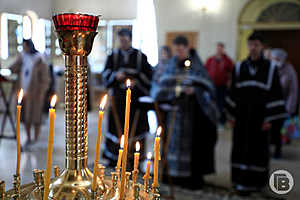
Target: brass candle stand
(17, 185)
(76, 33)
(147, 188)
(2, 190)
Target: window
(27, 27)
(48, 36)
(39, 36)
(16, 27)
(11, 35)
(144, 31)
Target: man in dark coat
(125, 62)
(255, 101)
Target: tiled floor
(36, 157)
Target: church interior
(149, 99)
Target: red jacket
(219, 69)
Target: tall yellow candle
(126, 130)
(157, 156)
(137, 156)
(98, 143)
(120, 153)
(149, 156)
(52, 117)
(19, 107)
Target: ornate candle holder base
(147, 188)
(17, 185)
(72, 183)
(38, 191)
(34, 191)
(155, 193)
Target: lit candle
(137, 156)
(157, 156)
(52, 117)
(19, 107)
(98, 143)
(149, 156)
(126, 129)
(120, 153)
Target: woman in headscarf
(186, 85)
(34, 80)
(164, 60)
(159, 70)
(289, 83)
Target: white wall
(41, 7)
(213, 25)
(109, 9)
(172, 15)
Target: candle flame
(128, 83)
(20, 96)
(137, 146)
(122, 142)
(103, 102)
(187, 63)
(53, 101)
(158, 131)
(149, 155)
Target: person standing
(220, 67)
(163, 63)
(186, 85)
(164, 60)
(34, 80)
(125, 62)
(254, 101)
(289, 84)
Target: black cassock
(136, 67)
(255, 97)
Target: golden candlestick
(18, 118)
(147, 188)
(120, 153)
(101, 175)
(76, 33)
(52, 117)
(98, 143)
(38, 191)
(56, 171)
(156, 156)
(114, 192)
(2, 190)
(134, 176)
(136, 192)
(126, 131)
(17, 187)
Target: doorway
(279, 19)
(287, 40)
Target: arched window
(281, 12)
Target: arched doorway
(279, 20)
